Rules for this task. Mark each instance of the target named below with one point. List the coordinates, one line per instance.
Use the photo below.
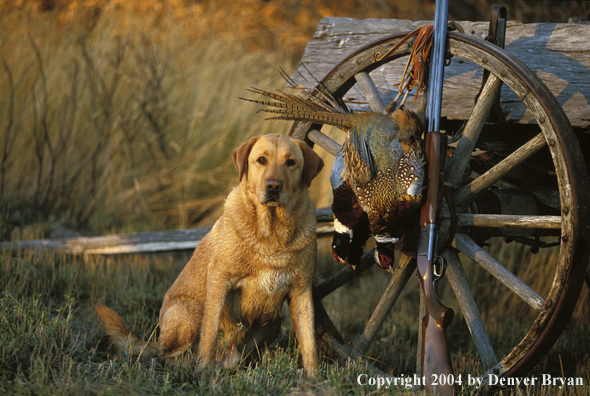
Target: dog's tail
(121, 338)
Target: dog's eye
(290, 162)
(261, 160)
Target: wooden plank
(483, 182)
(511, 221)
(145, 242)
(472, 250)
(324, 214)
(458, 280)
(401, 274)
(558, 53)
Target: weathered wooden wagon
(519, 121)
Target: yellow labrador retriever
(261, 251)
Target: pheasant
(379, 173)
(385, 166)
(351, 223)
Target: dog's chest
(272, 281)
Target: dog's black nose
(274, 185)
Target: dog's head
(275, 166)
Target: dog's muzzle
(273, 191)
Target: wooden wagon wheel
(568, 221)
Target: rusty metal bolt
(548, 303)
(504, 73)
(552, 142)
(564, 238)
(484, 60)
(565, 210)
(358, 61)
(535, 326)
(341, 75)
(542, 120)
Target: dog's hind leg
(179, 327)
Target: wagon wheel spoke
(458, 280)
(458, 162)
(324, 141)
(509, 221)
(472, 250)
(472, 190)
(398, 281)
(370, 91)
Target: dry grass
(51, 342)
(110, 130)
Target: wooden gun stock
(435, 355)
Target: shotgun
(435, 356)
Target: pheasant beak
(384, 253)
(337, 258)
(340, 244)
(384, 261)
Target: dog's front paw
(311, 373)
(228, 357)
(206, 368)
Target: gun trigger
(438, 267)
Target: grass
(121, 117)
(52, 343)
(126, 141)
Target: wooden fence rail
(144, 242)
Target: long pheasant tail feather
(325, 95)
(338, 120)
(283, 101)
(295, 108)
(336, 103)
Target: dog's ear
(241, 156)
(313, 163)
